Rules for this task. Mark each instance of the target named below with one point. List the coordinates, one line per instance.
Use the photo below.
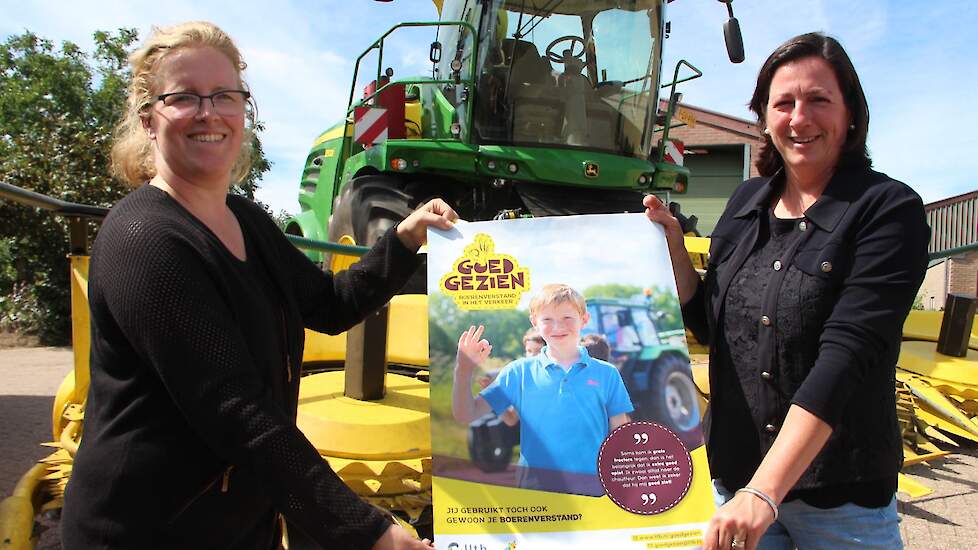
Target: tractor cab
(581, 74)
(654, 364)
(628, 327)
(532, 108)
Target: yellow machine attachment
(945, 387)
(381, 448)
(937, 394)
(926, 326)
(42, 487)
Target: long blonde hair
(132, 151)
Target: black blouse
(798, 309)
(823, 325)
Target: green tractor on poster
(653, 362)
(533, 108)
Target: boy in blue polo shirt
(567, 401)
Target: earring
(767, 131)
(852, 126)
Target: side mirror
(732, 36)
(734, 40)
(434, 54)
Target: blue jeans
(809, 528)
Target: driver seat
(537, 115)
(528, 66)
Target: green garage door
(713, 176)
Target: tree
(58, 109)
(504, 328)
(259, 165)
(612, 290)
(665, 304)
(661, 300)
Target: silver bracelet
(760, 494)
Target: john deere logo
(591, 169)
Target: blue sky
(916, 61)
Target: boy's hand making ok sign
(472, 350)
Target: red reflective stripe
(369, 124)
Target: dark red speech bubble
(644, 468)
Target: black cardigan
(190, 438)
(866, 242)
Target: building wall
(963, 274)
(954, 224)
(713, 178)
(957, 274)
(720, 154)
(933, 291)
(706, 134)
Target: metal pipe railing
(55, 206)
(326, 246)
(76, 213)
(952, 251)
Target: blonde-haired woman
(197, 306)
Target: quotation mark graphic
(641, 438)
(648, 498)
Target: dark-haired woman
(813, 268)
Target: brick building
(954, 225)
(720, 154)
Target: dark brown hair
(597, 346)
(854, 152)
(531, 335)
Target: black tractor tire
(671, 397)
(491, 443)
(365, 209)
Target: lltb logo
(457, 546)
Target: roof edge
(951, 200)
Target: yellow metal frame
(18, 510)
(43, 484)
(926, 325)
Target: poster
(594, 439)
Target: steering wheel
(553, 56)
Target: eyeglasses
(225, 102)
